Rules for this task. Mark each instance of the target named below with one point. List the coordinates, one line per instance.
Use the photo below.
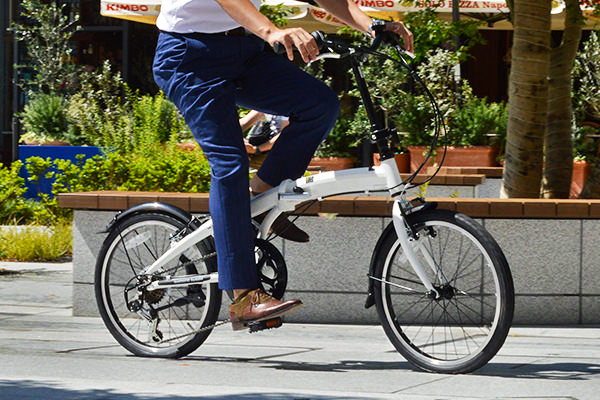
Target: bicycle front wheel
(161, 322)
(464, 326)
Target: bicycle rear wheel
(162, 322)
(466, 325)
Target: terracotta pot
(456, 156)
(332, 163)
(581, 171)
(402, 161)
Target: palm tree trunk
(528, 99)
(558, 142)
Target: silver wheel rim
(142, 327)
(430, 349)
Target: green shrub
(156, 120)
(14, 208)
(476, 120)
(108, 114)
(166, 169)
(45, 118)
(35, 243)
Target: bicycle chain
(191, 262)
(206, 328)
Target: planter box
(54, 153)
(402, 161)
(581, 171)
(456, 156)
(332, 163)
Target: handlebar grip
(319, 37)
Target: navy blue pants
(206, 76)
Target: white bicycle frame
(284, 198)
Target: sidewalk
(45, 353)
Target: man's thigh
(273, 85)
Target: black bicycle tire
(506, 288)
(213, 302)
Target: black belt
(239, 31)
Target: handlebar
(325, 42)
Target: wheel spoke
(449, 331)
(139, 244)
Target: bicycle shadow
(542, 370)
(537, 370)
(30, 389)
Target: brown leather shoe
(285, 229)
(256, 305)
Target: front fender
(389, 230)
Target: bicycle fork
(408, 247)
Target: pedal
(265, 324)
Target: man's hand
(400, 29)
(298, 37)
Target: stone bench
(551, 245)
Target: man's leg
(273, 85)
(185, 70)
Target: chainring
(271, 267)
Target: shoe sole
(241, 325)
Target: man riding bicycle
(210, 58)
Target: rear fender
(155, 207)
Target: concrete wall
(554, 264)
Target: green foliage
(45, 118)
(586, 100)
(14, 208)
(277, 14)
(108, 114)
(430, 32)
(586, 75)
(401, 101)
(166, 169)
(36, 243)
(46, 37)
(341, 140)
(478, 122)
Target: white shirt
(185, 16)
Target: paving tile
(343, 205)
(79, 200)
(474, 207)
(544, 310)
(199, 203)
(506, 208)
(590, 310)
(140, 198)
(590, 269)
(337, 257)
(180, 200)
(539, 208)
(113, 201)
(543, 254)
(371, 206)
(572, 209)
